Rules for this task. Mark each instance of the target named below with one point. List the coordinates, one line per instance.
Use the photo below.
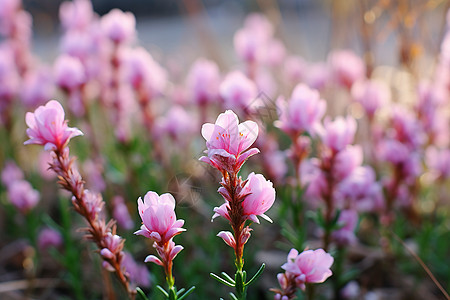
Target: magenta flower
(238, 91)
(47, 127)
(227, 142)
(339, 133)
(310, 266)
(158, 217)
(302, 112)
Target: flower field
(128, 172)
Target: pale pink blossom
(47, 127)
(228, 238)
(237, 91)
(310, 266)
(371, 95)
(295, 68)
(276, 53)
(317, 75)
(11, 173)
(119, 26)
(142, 71)
(438, 161)
(158, 217)
(121, 213)
(9, 77)
(339, 133)
(227, 142)
(360, 191)
(346, 161)
(167, 252)
(37, 87)
(302, 112)
(76, 15)
(69, 72)
(49, 237)
(260, 197)
(22, 195)
(177, 124)
(345, 235)
(203, 82)
(347, 67)
(138, 273)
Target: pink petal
(153, 259)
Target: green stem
(72, 257)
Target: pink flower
(69, 72)
(9, 77)
(138, 273)
(260, 197)
(345, 235)
(203, 82)
(250, 42)
(310, 266)
(347, 67)
(167, 252)
(360, 190)
(294, 69)
(227, 142)
(346, 161)
(339, 133)
(47, 127)
(119, 26)
(121, 214)
(438, 160)
(158, 217)
(178, 123)
(11, 173)
(371, 95)
(37, 87)
(76, 15)
(302, 112)
(237, 91)
(317, 75)
(49, 237)
(23, 196)
(142, 71)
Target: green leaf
(141, 293)
(221, 280)
(257, 274)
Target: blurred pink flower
(360, 191)
(310, 266)
(438, 161)
(295, 68)
(119, 26)
(260, 197)
(138, 273)
(276, 53)
(38, 87)
(302, 112)
(144, 72)
(22, 195)
(339, 133)
(76, 15)
(346, 161)
(237, 91)
(344, 236)
(9, 77)
(121, 213)
(44, 160)
(250, 42)
(371, 95)
(203, 82)
(49, 237)
(227, 142)
(317, 75)
(158, 217)
(347, 67)
(8, 11)
(178, 123)
(69, 72)
(47, 127)
(11, 173)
